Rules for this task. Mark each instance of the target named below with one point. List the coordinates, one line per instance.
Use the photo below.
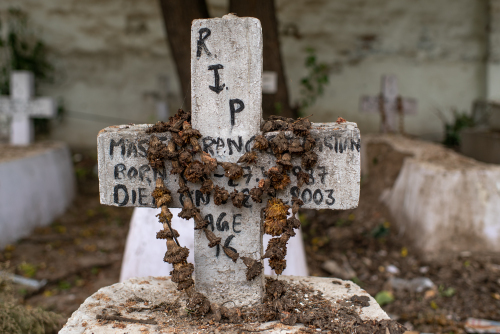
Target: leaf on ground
(384, 297)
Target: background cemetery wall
(112, 59)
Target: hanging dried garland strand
(181, 150)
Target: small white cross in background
(21, 107)
(389, 103)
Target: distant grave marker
(389, 104)
(21, 107)
(226, 68)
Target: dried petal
(212, 238)
(254, 267)
(231, 253)
(194, 171)
(309, 159)
(221, 195)
(237, 198)
(248, 157)
(260, 143)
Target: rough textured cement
(123, 149)
(158, 289)
(443, 200)
(34, 190)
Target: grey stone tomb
(21, 107)
(389, 104)
(226, 68)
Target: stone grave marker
(21, 107)
(226, 66)
(389, 104)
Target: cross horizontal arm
(126, 178)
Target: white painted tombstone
(21, 107)
(226, 83)
(389, 104)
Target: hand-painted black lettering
(234, 110)
(116, 195)
(217, 251)
(330, 200)
(296, 170)
(323, 173)
(248, 174)
(306, 196)
(318, 196)
(236, 223)
(356, 144)
(134, 196)
(341, 146)
(228, 241)
(220, 143)
(201, 42)
(141, 196)
(264, 172)
(219, 175)
(222, 225)
(142, 149)
(142, 172)
(112, 145)
(217, 88)
(207, 144)
(246, 203)
(231, 143)
(131, 150)
(248, 148)
(294, 191)
(199, 197)
(119, 169)
(232, 184)
(210, 220)
(327, 142)
(161, 173)
(336, 145)
(132, 173)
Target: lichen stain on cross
(229, 119)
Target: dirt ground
(82, 251)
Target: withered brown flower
(221, 195)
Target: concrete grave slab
(158, 289)
(442, 200)
(37, 184)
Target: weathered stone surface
(34, 190)
(123, 165)
(481, 144)
(442, 200)
(21, 106)
(155, 290)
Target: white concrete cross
(389, 104)
(226, 68)
(21, 106)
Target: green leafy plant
(452, 128)
(312, 85)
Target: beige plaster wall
(112, 58)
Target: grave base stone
(36, 185)
(442, 200)
(154, 290)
